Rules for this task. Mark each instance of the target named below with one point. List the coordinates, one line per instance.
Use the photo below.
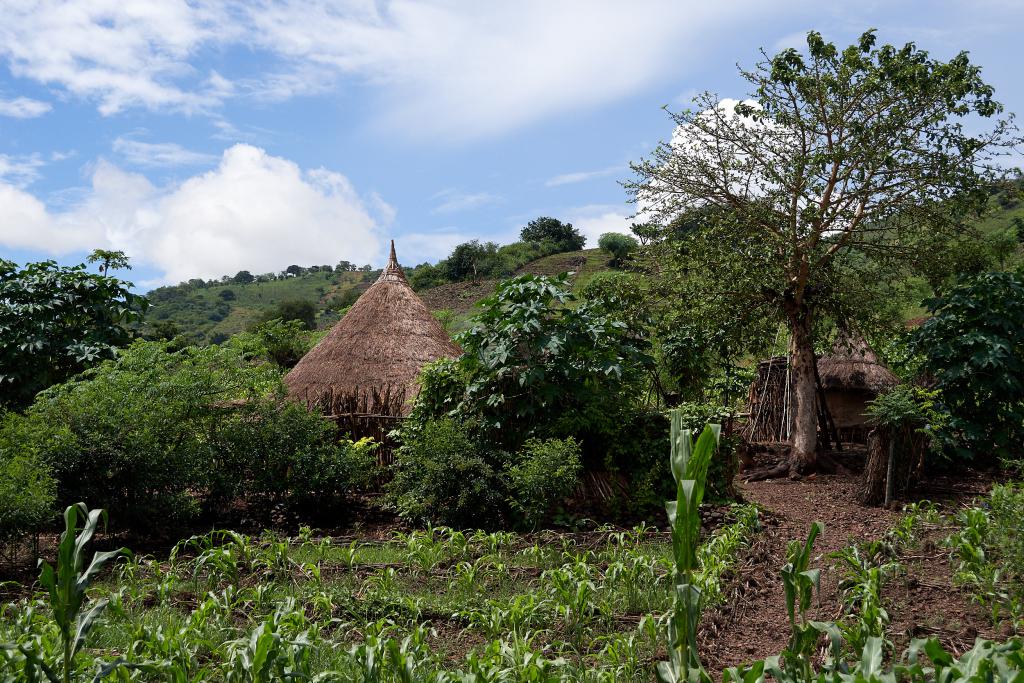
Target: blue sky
(207, 137)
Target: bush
(158, 437)
(974, 346)
(281, 342)
(545, 472)
(638, 451)
(26, 486)
(275, 454)
(443, 476)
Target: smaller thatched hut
(851, 376)
(365, 372)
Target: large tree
(840, 161)
(56, 321)
(545, 228)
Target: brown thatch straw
(854, 365)
(370, 361)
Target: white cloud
(453, 200)
(582, 176)
(20, 171)
(23, 108)
(414, 248)
(254, 211)
(160, 154)
(440, 70)
(120, 54)
(594, 220)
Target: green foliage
(547, 229)
(66, 592)
(725, 465)
(471, 260)
(294, 309)
(160, 435)
(26, 485)
(542, 475)
(756, 230)
(974, 346)
(537, 366)
(689, 464)
(109, 259)
(283, 342)
(618, 245)
(988, 545)
(908, 406)
(442, 475)
(55, 321)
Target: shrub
(272, 453)
(537, 366)
(26, 485)
(974, 346)
(283, 342)
(159, 436)
(544, 473)
(443, 476)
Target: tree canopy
(545, 228)
(56, 321)
(843, 168)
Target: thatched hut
(851, 376)
(364, 373)
(848, 377)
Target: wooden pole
(890, 484)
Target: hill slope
(213, 312)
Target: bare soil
(922, 601)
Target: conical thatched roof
(854, 365)
(370, 360)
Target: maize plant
(689, 464)
(66, 588)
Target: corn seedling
(689, 465)
(66, 588)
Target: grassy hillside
(461, 297)
(213, 312)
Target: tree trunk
(872, 486)
(804, 439)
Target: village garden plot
(589, 603)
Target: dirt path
(921, 602)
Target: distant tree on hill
(550, 229)
(243, 277)
(366, 269)
(327, 268)
(346, 266)
(471, 260)
(618, 245)
(109, 259)
(294, 270)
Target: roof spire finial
(392, 271)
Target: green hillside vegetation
(213, 312)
